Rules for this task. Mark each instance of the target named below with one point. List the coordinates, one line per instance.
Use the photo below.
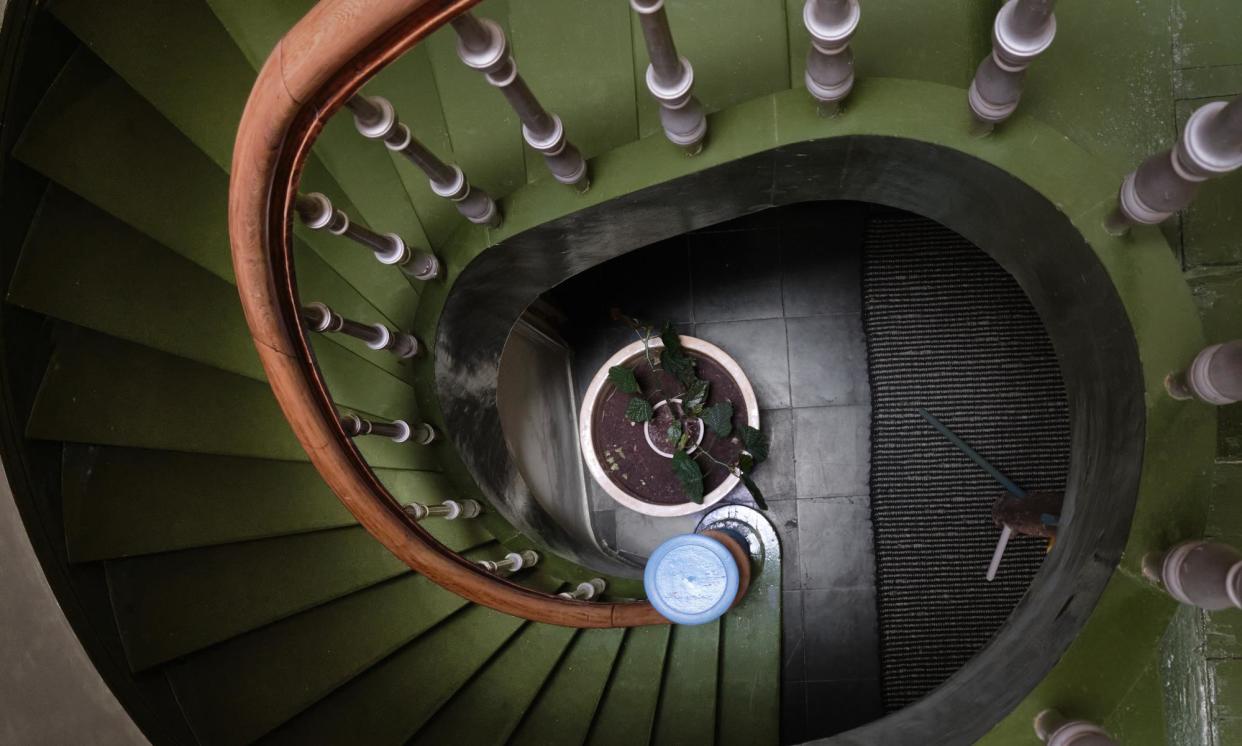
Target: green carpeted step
(486, 710)
(172, 305)
(383, 189)
(687, 712)
(236, 691)
(95, 136)
(121, 502)
(392, 700)
(109, 392)
(748, 708)
(176, 54)
(168, 605)
(627, 712)
(562, 714)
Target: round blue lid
(691, 579)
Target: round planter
(627, 460)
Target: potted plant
(670, 424)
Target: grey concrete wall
(49, 691)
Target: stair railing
(314, 71)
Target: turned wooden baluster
(318, 214)
(375, 118)
(1023, 30)
(1214, 376)
(482, 45)
(449, 510)
(512, 562)
(830, 61)
(670, 78)
(1201, 573)
(398, 431)
(586, 591)
(318, 317)
(1057, 730)
(1210, 145)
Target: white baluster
(1214, 377)
(317, 213)
(449, 510)
(1023, 30)
(830, 61)
(1200, 573)
(512, 562)
(670, 78)
(1055, 730)
(586, 591)
(399, 431)
(320, 318)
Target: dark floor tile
(792, 644)
(759, 348)
(838, 706)
(821, 268)
(839, 634)
(775, 477)
(835, 543)
(832, 450)
(827, 361)
(735, 275)
(793, 712)
(651, 284)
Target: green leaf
(754, 491)
(696, 396)
(674, 358)
(687, 472)
(624, 379)
(745, 463)
(755, 442)
(719, 417)
(638, 410)
(674, 432)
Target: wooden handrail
(313, 70)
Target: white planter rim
(587, 415)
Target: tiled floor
(780, 292)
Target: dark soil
(621, 445)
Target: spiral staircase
(228, 596)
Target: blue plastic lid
(691, 579)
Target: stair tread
(687, 710)
(490, 706)
(748, 709)
(241, 689)
(98, 138)
(168, 605)
(106, 391)
(390, 701)
(562, 714)
(627, 712)
(121, 502)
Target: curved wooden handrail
(310, 74)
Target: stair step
(106, 391)
(748, 712)
(241, 689)
(169, 303)
(562, 714)
(389, 196)
(627, 712)
(687, 711)
(491, 705)
(121, 502)
(174, 306)
(95, 136)
(176, 54)
(396, 697)
(168, 605)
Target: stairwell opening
(1016, 232)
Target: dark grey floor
(780, 292)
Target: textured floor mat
(950, 331)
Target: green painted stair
(235, 593)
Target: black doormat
(950, 331)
